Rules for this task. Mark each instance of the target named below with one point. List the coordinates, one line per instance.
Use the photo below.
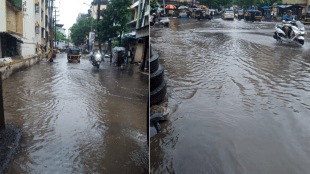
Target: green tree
(114, 20)
(60, 36)
(81, 29)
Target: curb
(10, 68)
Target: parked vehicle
(296, 32)
(73, 55)
(240, 14)
(164, 21)
(228, 15)
(183, 13)
(307, 18)
(253, 15)
(202, 14)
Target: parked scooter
(96, 58)
(296, 32)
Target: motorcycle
(296, 32)
(95, 59)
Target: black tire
(98, 66)
(158, 94)
(157, 78)
(301, 42)
(154, 62)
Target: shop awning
(284, 6)
(265, 7)
(18, 38)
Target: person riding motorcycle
(286, 20)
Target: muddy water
(78, 119)
(239, 101)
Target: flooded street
(239, 101)
(75, 118)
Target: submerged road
(76, 118)
(239, 101)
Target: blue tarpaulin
(266, 7)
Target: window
(37, 30)
(37, 7)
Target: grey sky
(69, 10)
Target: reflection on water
(78, 119)
(240, 101)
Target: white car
(164, 21)
(228, 14)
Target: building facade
(24, 27)
(142, 33)
(11, 28)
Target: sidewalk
(15, 65)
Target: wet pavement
(76, 118)
(239, 101)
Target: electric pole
(98, 18)
(55, 22)
(50, 55)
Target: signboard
(91, 38)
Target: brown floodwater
(76, 118)
(239, 101)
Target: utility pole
(55, 22)
(164, 8)
(2, 121)
(50, 55)
(98, 17)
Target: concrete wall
(2, 16)
(29, 39)
(16, 66)
(11, 20)
(14, 20)
(139, 52)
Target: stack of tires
(158, 85)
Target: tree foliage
(216, 4)
(60, 36)
(114, 19)
(81, 29)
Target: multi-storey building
(11, 28)
(142, 32)
(59, 43)
(133, 17)
(23, 27)
(94, 10)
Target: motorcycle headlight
(98, 55)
